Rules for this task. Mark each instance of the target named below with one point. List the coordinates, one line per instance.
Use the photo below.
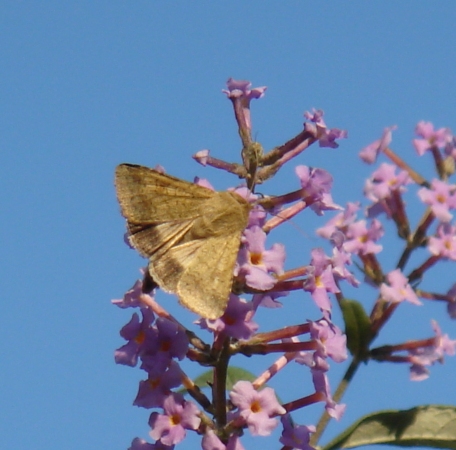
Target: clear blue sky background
(87, 85)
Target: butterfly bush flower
(370, 153)
(153, 391)
(326, 138)
(361, 238)
(385, 188)
(331, 342)
(316, 185)
(236, 322)
(257, 216)
(258, 265)
(179, 415)
(131, 299)
(340, 221)
(240, 93)
(136, 333)
(444, 243)
(201, 157)
(167, 341)
(384, 181)
(314, 182)
(443, 344)
(210, 441)
(341, 259)
(242, 89)
(320, 280)
(441, 198)
(429, 355)
(430, 137)
(171, 339)
(398, 289)
(268, 300)
(296, 436)
(257, 408)
(321, 384)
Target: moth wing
(190, 234)
(147, 196)
(167, 268)
(206, 282)
(152, 241)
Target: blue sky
(86, 85)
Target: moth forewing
(154, 240)
(190, 234)
(148, 196)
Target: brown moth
(190, 234)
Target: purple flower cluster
(160, 343)
(157, 343)
(385, 189)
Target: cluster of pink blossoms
(386, 189)
(160, 343)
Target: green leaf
(424, 426)
(234, 374)
(357, 328)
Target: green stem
(219, 384)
